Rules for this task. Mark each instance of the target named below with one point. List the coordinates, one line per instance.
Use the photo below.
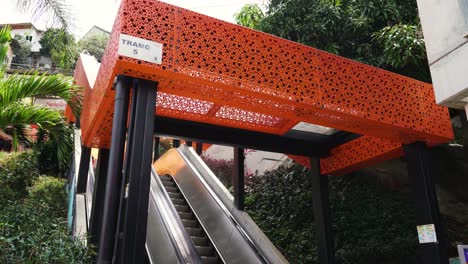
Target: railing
(27, 67)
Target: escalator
(198, 236)
(192, 218)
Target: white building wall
(36, 36)
(445, 27)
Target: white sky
(87, 13)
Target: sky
(87, 13)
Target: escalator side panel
(158, 245)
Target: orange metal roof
(224, 74)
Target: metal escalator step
(175, 195)
(172, 189)
(200, 241)
(210, 260)
(166, 178)
(189, 223)
(185, 215)
(194, 231)
(182, 208)
(178, 201)
(169, 184)
(205, 250)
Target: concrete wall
(445, 27)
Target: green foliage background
(32, 216)
(371, 223)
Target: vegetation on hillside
(32, 216)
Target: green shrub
(371, 224)
(223, 169)
(17, 174)
(49, 194)
(29, 234)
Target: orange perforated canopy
(223, 74)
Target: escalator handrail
(180, 239)
(266, 251)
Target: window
(29, 38)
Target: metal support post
(156, 148)
(238, 180)
(114, 173)
(98, 196)
(175, 143)
(135, 214)
(323, 222)
(427, 208)
(199, 148)
(83, 171)
(188, 143)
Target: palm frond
(5, 37)
(59, 10)
(16, 87)
(18, 114)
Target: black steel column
(323, 222)
(188, 143)
(427, 208)
(98, 196)
(134, 216)
(114, 173)
(199, 148)
(83, 171)
(175, 143)
(238, 180)
(156, 148)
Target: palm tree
(16, 112)
(58, 10)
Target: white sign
(140, 49)
(427, 234)
(57, 104)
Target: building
(445, 28)
(29, 32)
(95, 31)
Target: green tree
(21, 49)
(60, 46)
(250, 16)
(95, 45)
(15, 113)
(385, 34)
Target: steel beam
(114, 173)
(323, 222)
(188, 143)
(156, 148)
(135, 213)
(175, 143)
(240, 138)
(98, 196)
(427, 208)
(84, 168)
(199, 148)
(238, 181)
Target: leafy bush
(223, 169)
(371, 223)
(17, 174)
(29, 234)
(48, 193)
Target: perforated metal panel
(220, 73)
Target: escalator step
(166, 178)
(184, 215)
(171, 189)
(182, 208)
(205, 251)
(178, 201)
(200, 241)
(189, 223)
(169, 184)
(194, 231)
(175, 195)
(210, 260)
